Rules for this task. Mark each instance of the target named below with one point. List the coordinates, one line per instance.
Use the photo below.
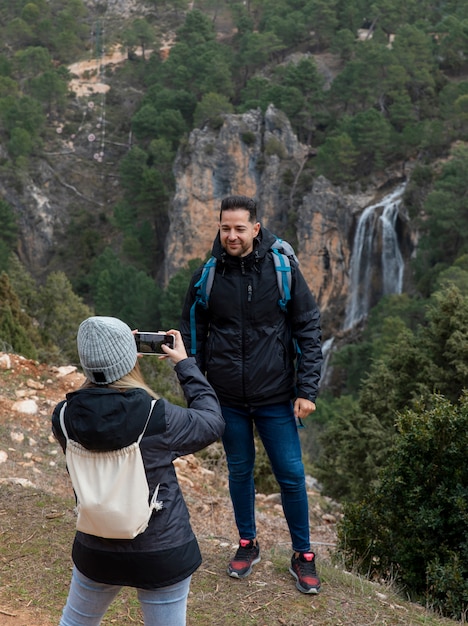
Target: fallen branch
(208, 571)
(75, 190)
(28, 538)
(7, 613)
(72, 187)
(278, 597)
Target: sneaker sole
(234, 574)
(313, 590)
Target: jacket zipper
(249, 299)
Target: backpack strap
(64, 429)
(286, 248)
(283, 277)
(203, 286)
(153, 402)
(62, 420)
(205, 283)
(282, 251)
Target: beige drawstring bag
(111, 488)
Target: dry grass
(37, 528)
(36, 531)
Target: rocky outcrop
(259, 155)
(247, 155)
(324, 223)
(116, 8)
(51, 191)
(36, 212)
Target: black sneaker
(248, 554)
(303, 570)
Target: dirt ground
(30, 457)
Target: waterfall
(326, 353)
(392, 261)
(376, 225)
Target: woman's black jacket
(107, 419)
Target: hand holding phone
(151, 343)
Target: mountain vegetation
(393, 421)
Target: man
(244, 342)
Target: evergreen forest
(390, 435)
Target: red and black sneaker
(248, 554)
(303, 570)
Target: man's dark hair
(231, 203)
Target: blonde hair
(133, 380)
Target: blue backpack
(282, 253)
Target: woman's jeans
(277, 429)
(88, 601)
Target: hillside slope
(37, 526)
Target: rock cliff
(248, 155)
(256, 154)
(259, 155)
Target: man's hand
(303, 408)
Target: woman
(107, 413)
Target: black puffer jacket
(107, 419)
(244, 340)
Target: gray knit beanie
(107, 349)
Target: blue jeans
(277, 429)
(88, 601)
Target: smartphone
(150, 343)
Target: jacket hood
(262, 244)
(105, 419)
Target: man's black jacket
(245, 341)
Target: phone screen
(150, 343)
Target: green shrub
(413, 526)
(273, 146)
(17, 330)
(248, 137)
